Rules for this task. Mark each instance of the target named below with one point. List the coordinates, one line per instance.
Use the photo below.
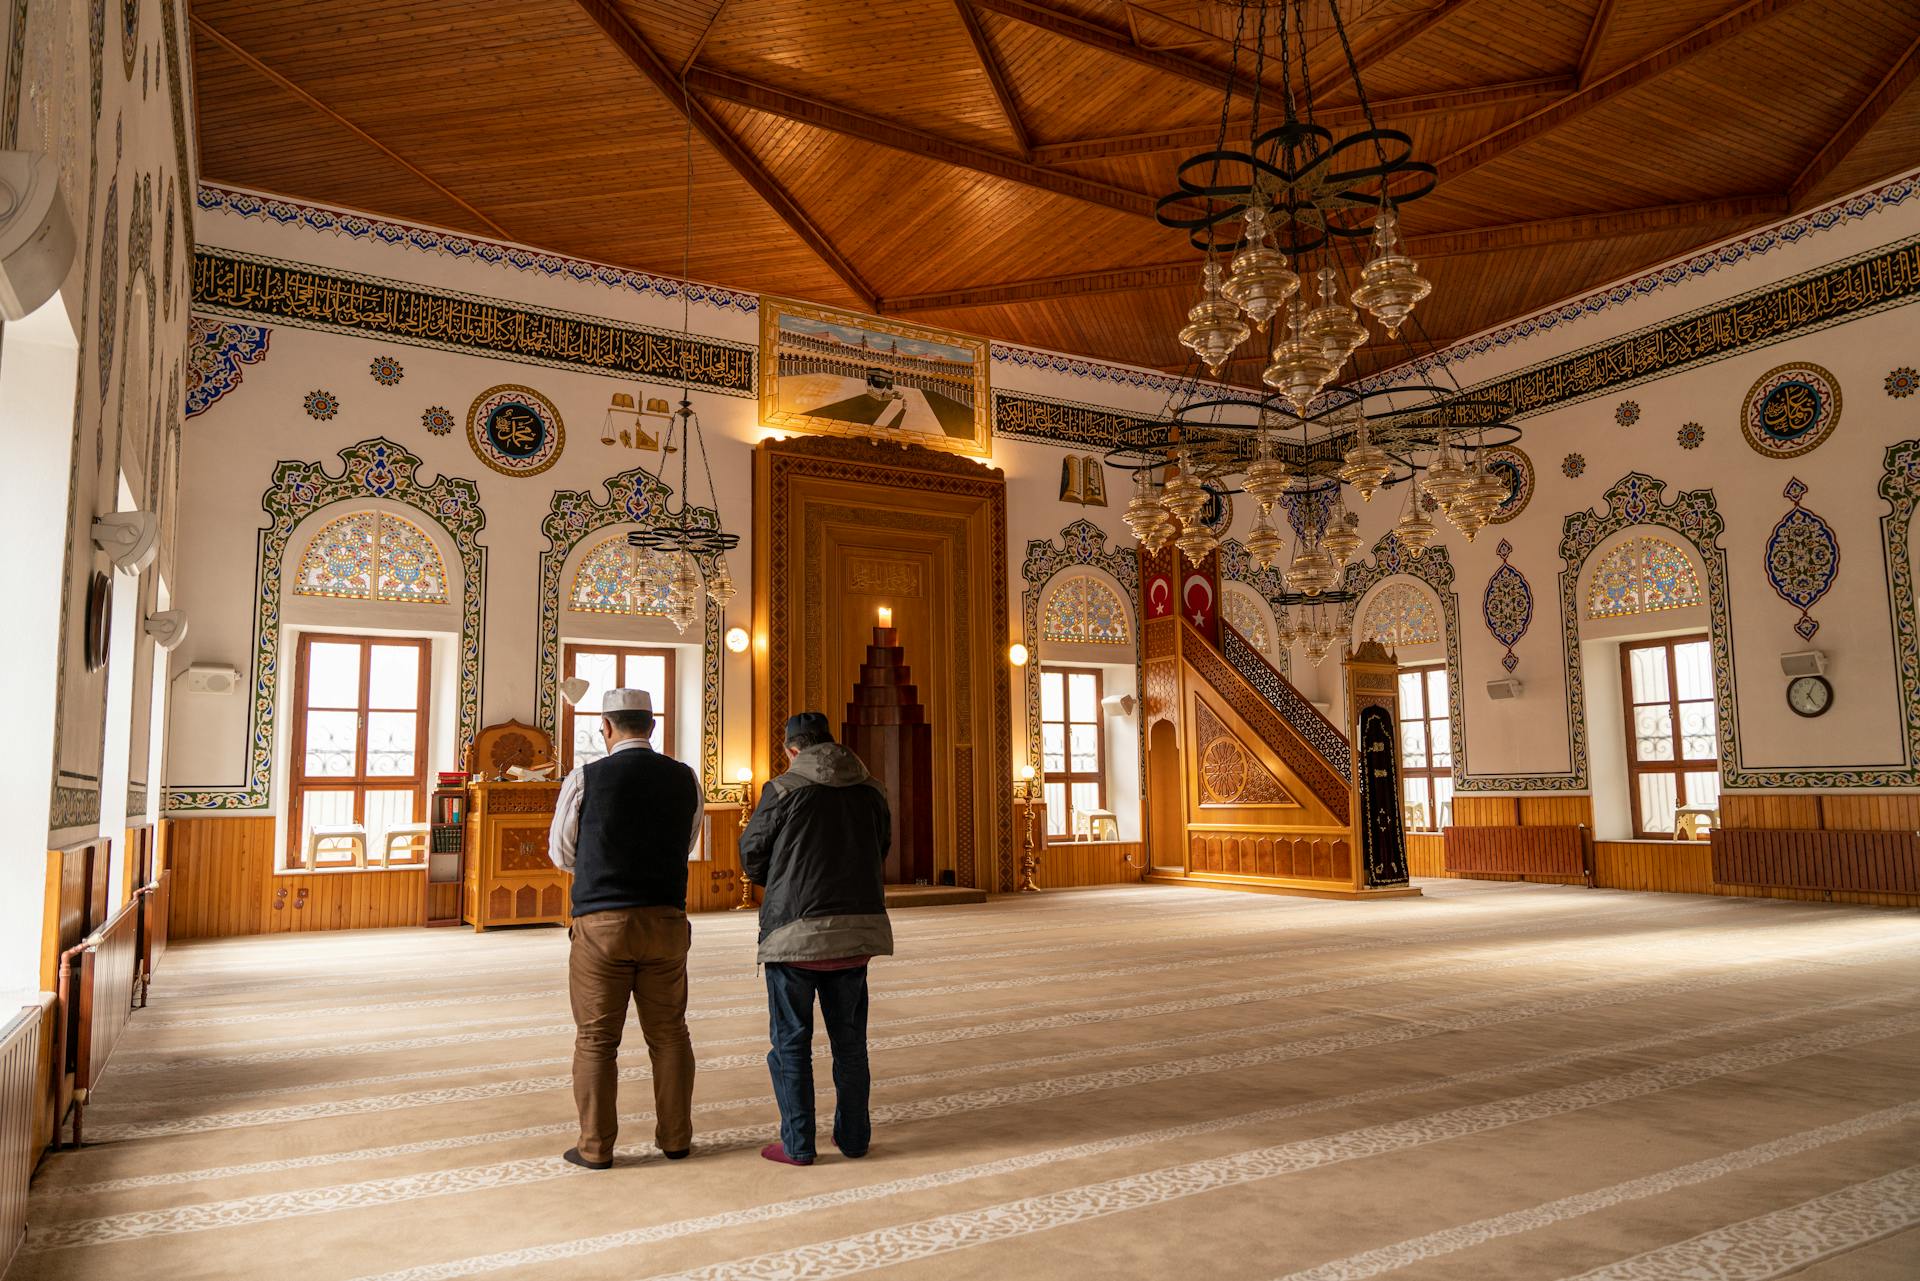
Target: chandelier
(1299, 228)
(691, 537)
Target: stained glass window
(618, 578)
(1641, 575)
(1401, 614)
(373, 556)
(1249, 618)
(1082, 608)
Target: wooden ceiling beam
(254, 64)
(1378, 50)
(1384, 109)
(1899, 78)
(1699, 40)
(1445, 244)
(1110, 40)
(885, 133)
(1596, 35)
(670, 87)
(700, 41)
(996, 77)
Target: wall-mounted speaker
(1804, 662)
(1503, 689)
(211, 678)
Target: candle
(886, 616)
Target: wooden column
(886, 727)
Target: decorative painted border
(1434, 568)
(634, 497)
(253, 287)
(1707, 261)
(1900, 486)
(374, 468)
(1082, 543)
(1862, 285)
(362, 227)
(215, 351)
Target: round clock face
(1809, 695)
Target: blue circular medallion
(515, 430)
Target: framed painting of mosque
(838, 373)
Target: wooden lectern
(886, 727)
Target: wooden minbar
(509, 878)
(886, 727)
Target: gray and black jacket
(818, 842)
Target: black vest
(636, 817)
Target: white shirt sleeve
(564, 835)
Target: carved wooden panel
(1229, 773)
(524, 849)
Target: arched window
(1084, 609)
(1641, 575)
(1401, 614)
(618, 578)
(372, 555)
(1248, 618)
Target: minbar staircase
(1249, 786)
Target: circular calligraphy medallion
(1217, 515)
(515, 430)
(1791, 410)
(1516, 469)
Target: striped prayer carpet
(1495, 1080)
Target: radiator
(1869, 862)
(19, 1099)
(1520, 851)
(154, 902)
(98, 980)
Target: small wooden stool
(354, 835)
(407, 843)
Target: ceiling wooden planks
(991, 164)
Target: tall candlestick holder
(746, 812)
(1029, 860)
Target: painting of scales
(842, 374)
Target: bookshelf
(446, 851)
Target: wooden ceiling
(991, 165)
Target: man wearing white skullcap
(624, 826)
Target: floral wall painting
(1803, 558)
(838, 373)
(1507, 605)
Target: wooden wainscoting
(1072, 864)
(225, 883)
(76, 902)
(22, 1087)
(713, 880)
(301, 902)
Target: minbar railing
(1280, 695)
(1863, 861)
(1520, 851)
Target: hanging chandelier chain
(1360, 89)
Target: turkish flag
(1197, 601)
(1160, 598)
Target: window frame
(1098, 776)
(1428, 772)
(300, 782)
(663, 717)
(1680, 766)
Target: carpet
(1497, 1080)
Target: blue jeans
(843, 1008)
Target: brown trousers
(638, 953)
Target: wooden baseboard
(1271, 887)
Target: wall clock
(1809, 695)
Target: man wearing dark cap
(624, 825)
(818, 843)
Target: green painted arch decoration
(635, 497)
(376, 468)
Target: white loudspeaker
(208, 678)
(1804, 662)
(168, 627)
(131, 538)
(1118, 704)
(573, 689)
(1508, 688)
(36, 236)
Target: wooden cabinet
(509, 880)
